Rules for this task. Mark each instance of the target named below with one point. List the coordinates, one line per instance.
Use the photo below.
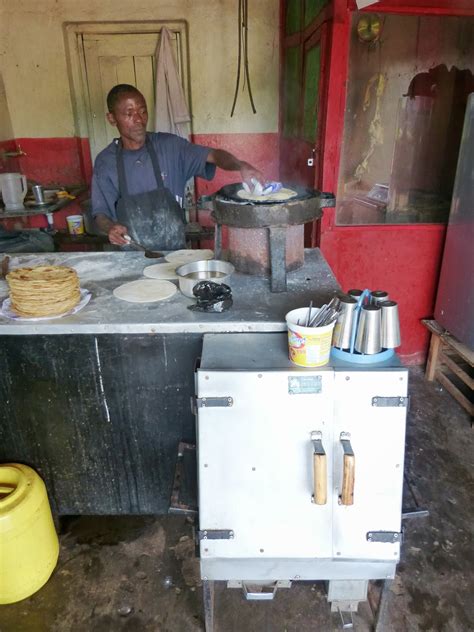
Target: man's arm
(228, 162)
(114, 231)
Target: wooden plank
(433, 357)
(464, 351)
(461, 371)
(455, 392)
(145, 82)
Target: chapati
(43, 290)
(277, 196)
(180, 257)
(145, 291)
(161, 271)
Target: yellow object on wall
(29, 546)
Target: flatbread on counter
(277, 196)
(145, 291)
(161, 271)
(180, 257)
(43, 290)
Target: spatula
(151, 254)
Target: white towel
(171, 110)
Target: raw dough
(180, 257)
(278, 196)
(161, 271)
(145, 291)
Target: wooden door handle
(348, 471)
(320, 470)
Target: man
(139, 178)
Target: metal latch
(391, 537)
(214, 402)
(215, 534)
(385, 402)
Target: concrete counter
(255, 308)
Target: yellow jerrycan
(29, 545)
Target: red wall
(404, 260)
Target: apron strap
(155, 162)
(122, 180)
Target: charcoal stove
(267, 238)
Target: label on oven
(304, 384)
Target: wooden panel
(292, 91)
(312, 73)
(312, 9)
(99, 417)
(145, 82)
(293, 16)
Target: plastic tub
(29, 546)
(308, 346)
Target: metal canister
(368, 339)
(345, 322)
(378, 296)
(390, 325)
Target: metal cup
(345, 322)
(378, 296)
(368, 339)
(38, 193)
(390, 325)
(355, 293)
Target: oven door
(256, 463)
(369, 422)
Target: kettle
(13, 188)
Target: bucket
(308, 346)
(29, 546)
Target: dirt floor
(140, 573)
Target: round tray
(357, 358)
(230, 192)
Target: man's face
(130, 116)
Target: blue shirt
(179, 160)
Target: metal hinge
(214, 402)
(215, 534)
(392, 537)
(385, 402)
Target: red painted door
(303, 113)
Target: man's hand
(114, 232)
(116, 235)
(227, 161)
(248, 172)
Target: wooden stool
(450, 361)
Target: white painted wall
(35, 72)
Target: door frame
(75, 59)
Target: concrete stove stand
(267, 238)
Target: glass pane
(409, 78)
(312, 9)
(293, 16)
(311, 93)
(291, 91)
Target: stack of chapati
(43, 290)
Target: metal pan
(230, 192)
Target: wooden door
(303, 101)
(120, 58)
(303, 109)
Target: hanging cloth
(171, 110)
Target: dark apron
(154, 219)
